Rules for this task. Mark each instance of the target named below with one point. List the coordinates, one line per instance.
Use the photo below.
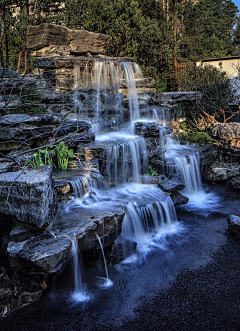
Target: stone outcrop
(228, 135)
(222, 171)
(78, 41)
(29, 196)
(234, 225)
(23, 131)
(170, 186)
(162, 98)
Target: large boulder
(29, 195)
(80, 41)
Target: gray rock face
(228, 135)
(161, 98)
(220, 171)
(8, 73)
(50, 251)
(44, 251)
(170, 186)
(29, 195)
(234, 225)
(179, 199)
(80, 41)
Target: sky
(237, 3)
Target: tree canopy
(145, 30)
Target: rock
(220, 171)
(170, 186)
(228, 135)
(29, 195)
(234, 225)
(38, 130)
(162, 98)
(236, 182)
(8, 73)
(179, 199)
(44, 251)
(226, 131)
(80, 41)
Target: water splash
(106, 281)
(80, 293)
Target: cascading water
(126, 158)
(107, 282)
(79, 293)
(83, 184)
(148, 220)
(186, 160)
(148, 210)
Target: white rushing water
(79, 294)
(106, 281)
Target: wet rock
(44, 251)
(236, 182)
(29, 195)
(80, 41)
(170, 186)
(220, 171)
(8, 73)
(234, 225)
(179, 199)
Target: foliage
(44, 157)
(153, 172)
(208, 29)
(37, 160)
(63, 155)
(217, 92)
(192, 135)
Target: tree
(208, 29)
(217, 93)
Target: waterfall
(107, 282)
(140, 221)
(132, 91)
(83, 185)
(185, 160)
(127, 157)
(79, 293)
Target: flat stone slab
(234, 225)
(80, 41)
(50, 251)
(29, 195)
(160, 98)
(170, 186)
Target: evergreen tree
(208, 29)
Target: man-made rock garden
(88, 152)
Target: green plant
(37, 160)
(63, 155)
(192, 135)
(153, 172)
